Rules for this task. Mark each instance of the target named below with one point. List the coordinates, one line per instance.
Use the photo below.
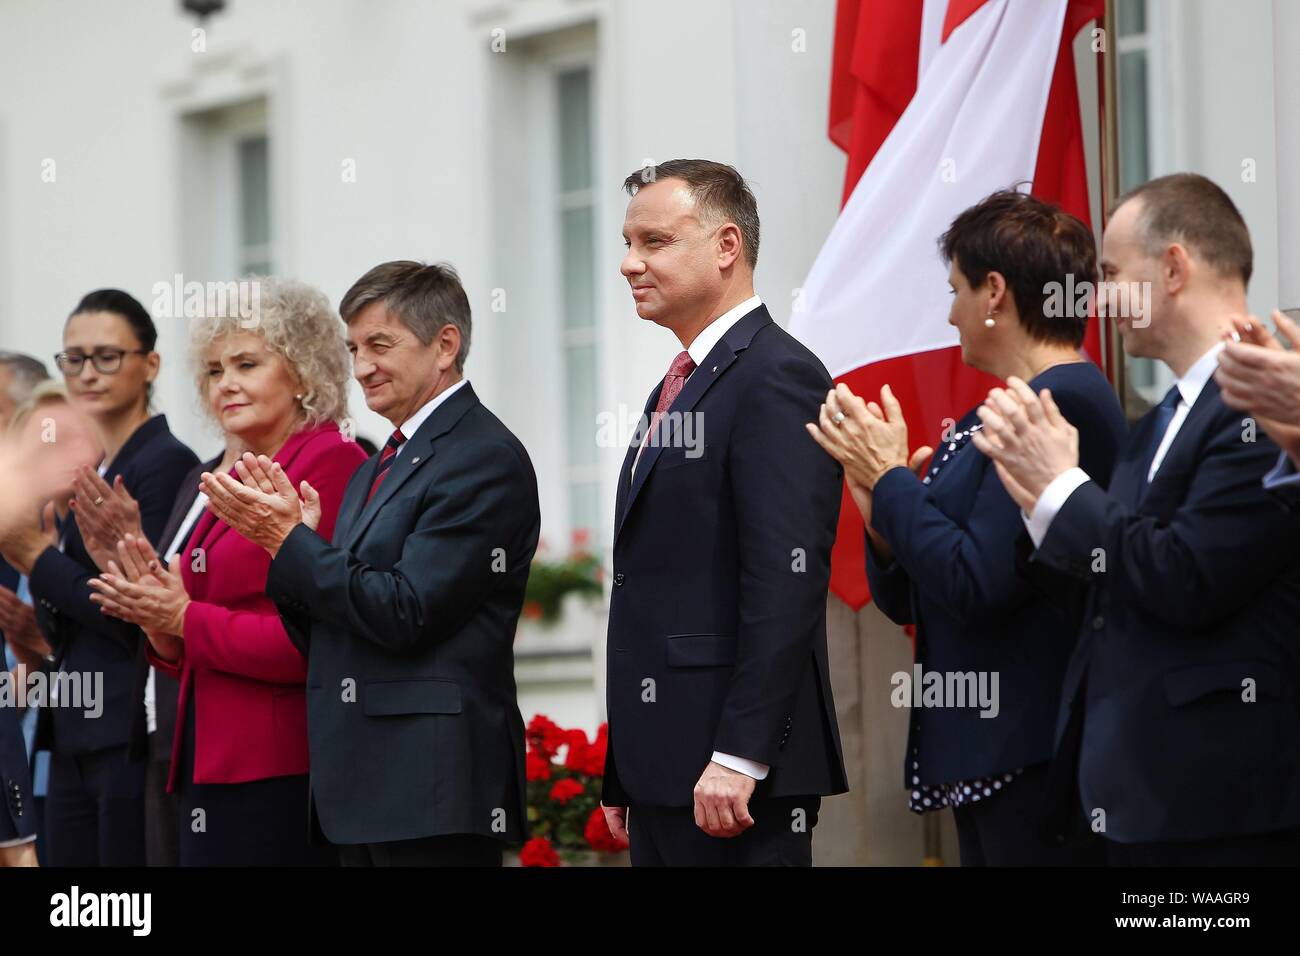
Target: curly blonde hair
(296, 322)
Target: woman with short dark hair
(947, 547)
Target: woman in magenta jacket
(239, 758)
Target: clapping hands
(1028, 438)
(263, 505)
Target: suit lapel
(1127, 481)
(625, 473)
(354, 498)
(714, 366)
(413, 456)
(1183, 444)
(1188, 437)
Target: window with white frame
(546, 206)
(1145, 115)
(575, 210)
(226, 194)
(254, 188)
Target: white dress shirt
(412, 424)
(1054, 496)
(699, 350)
(1283, 474)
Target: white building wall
(411, 92)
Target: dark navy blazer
(721, 566)
(16, 803)
(152, 464)
(408, 621)
(960, 574)
(1180, 712)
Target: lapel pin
(715, 370)
(415, 461)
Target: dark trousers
(257, 823)
(94, 812)
(1005, 829)
(161, 815)
(1259, 849)
(459, 849)
(781, 836)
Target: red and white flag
(938, 103)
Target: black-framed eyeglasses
(106, 361)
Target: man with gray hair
(407, 618)
(19, 375)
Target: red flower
(536, 768)
(577, 741)
(565, 790)
(539, 852)
(532, 611)
(581, 538)
(598, 835)
(592, 759)
(545, 736)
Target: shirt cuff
(1051, 501)
(1283, 475)
(19, 842)
(751, 768)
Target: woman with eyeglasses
(95, 804)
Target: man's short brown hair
(721, 192)
(1189, 209)
(423, 297)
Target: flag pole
(1108, 78)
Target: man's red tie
(673, 382)
(386, 461)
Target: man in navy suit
(407, 617)
(19, 825)
(19, 374)
(722, 730)
(1179, 736)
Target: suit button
(618, 579)
(1098, 623)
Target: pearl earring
(988, 322)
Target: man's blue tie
(1164, 414)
